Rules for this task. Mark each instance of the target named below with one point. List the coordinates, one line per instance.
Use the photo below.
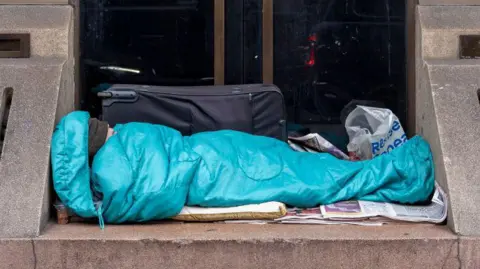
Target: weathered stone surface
(39, 84)
(449, 117)
(441, 26)
(246, 246)
(469, 252)
(454, 87)
(47, 25)
(16, 254)
(448, 110)
(242, 246)
(24, 166)
(425, 123)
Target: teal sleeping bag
(149, 172)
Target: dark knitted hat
(97, 134)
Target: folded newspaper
(435, 212)
(367, 213)
(315, 143)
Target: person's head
(98, 134)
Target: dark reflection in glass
(243, 41)
(146, 42)
(328, 52)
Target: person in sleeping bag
(138, 172)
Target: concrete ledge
(451, 113)
(39, 83)
(440, 27)
(24, 166)
(448, 109)
(449, 17)
(469, 250)
(239, 246)
(16, 253)
(49, 27)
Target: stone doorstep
(241, 246)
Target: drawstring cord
(100, 217)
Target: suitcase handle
(104, 95)
(118, 94)
(113, 96)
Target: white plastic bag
(372, 132)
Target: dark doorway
(326, 52)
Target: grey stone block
(246, 246)
(242, 246)
(24, 167)
(47, 25)
(425, 111)
(469, 252)
(441, 27)
(448, 110)
(448, 115)
(43, 91)
(17, 254)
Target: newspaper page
(314, 216)
(435, 212)
(296, 147)
(315, 143)
(299, 213)
(363, 213)
(331, 222)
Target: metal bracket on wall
(14, 45)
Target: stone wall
(43, 90)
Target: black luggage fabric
(253, 108)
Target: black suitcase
(257, 109)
